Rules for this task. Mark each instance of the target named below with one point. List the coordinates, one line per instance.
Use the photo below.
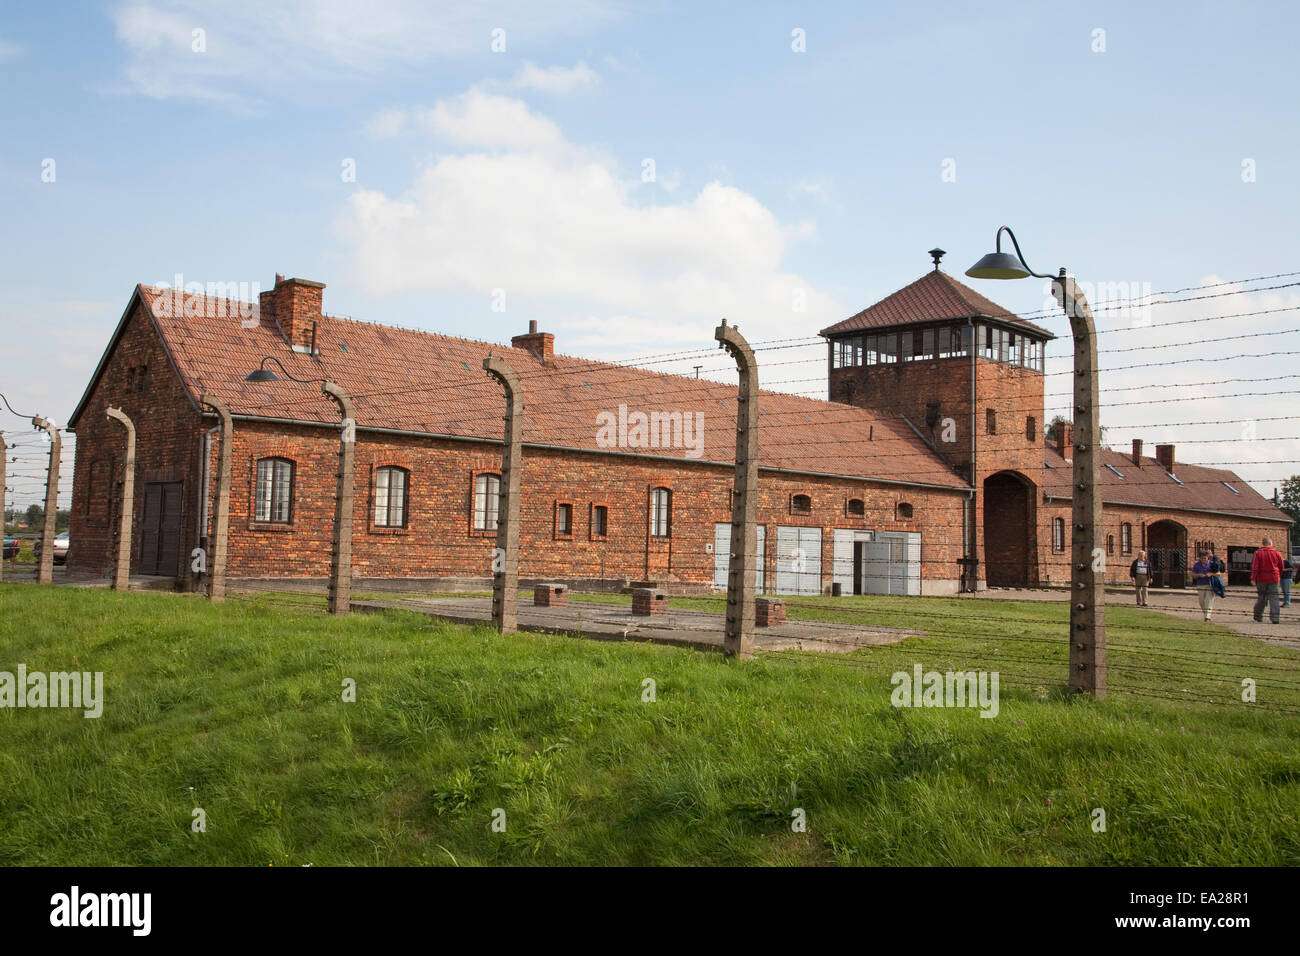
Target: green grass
(237, 709)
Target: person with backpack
(1202, 573)
(1218, 575)
(1140, 572)
(1266, 575)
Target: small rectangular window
(660, 513)
(599, 521)
(390, 497)
(563, 519)
(273, 496)
(487, 501)
(1031, 429)
(991, 421)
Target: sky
(628, 174)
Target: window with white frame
(661, 512)
(487, 501)
(390, 497)
(273, 502)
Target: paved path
(1234, 611)
(615, 622)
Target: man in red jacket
(1266, 575)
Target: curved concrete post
(221, 519)
(743, 561)
(3, 457)
(1087, 560)
(122, 569)
(45, 570)
(505, 560)
(340, 594)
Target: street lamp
(340, 587)
(1087, 560)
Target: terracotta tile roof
(416, 381)
(1202, 488)
(936, 295)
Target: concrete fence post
(340, 590)
(122, 569)
(221, 518)
(505, 563)
(742, 563)
(1087, 560)
(45, 570)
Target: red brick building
(627, 472)
(968, 374)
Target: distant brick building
(968, 374)
(872, 491)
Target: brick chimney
(541, 344)
(1165, 455)
(294, 306)
(1137, 452)
(1065, 440)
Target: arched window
(857, 508)
(1058, 534)
(904, 511)
(390, 497)
(1126, 538)
(487, 501)
(661, 513)
(273, 500)
(800, 505)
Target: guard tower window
(991, 421)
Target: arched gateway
(1167, 549)
(1009, 530)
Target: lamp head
(998, 265)
(261, 375)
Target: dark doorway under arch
(1009, 530)
(1167, 552)
(1166, 549)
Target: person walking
(1140, 572)
(1218, 575)
(1266, 575)
(1288, 576)
(1202, 572)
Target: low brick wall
(768, 611)
(647, 601)
(550, 595)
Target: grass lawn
(238, 709)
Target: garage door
(722, 554)
(798, 560)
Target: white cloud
(484, 119)
(555, 79)
(520, 208)
(253, 46)
(8, 50)
(386, 124)
(817, 188)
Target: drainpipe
(205, 486)
(973, 540)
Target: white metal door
(722, 554)
(875, 567)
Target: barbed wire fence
(1152, 655)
